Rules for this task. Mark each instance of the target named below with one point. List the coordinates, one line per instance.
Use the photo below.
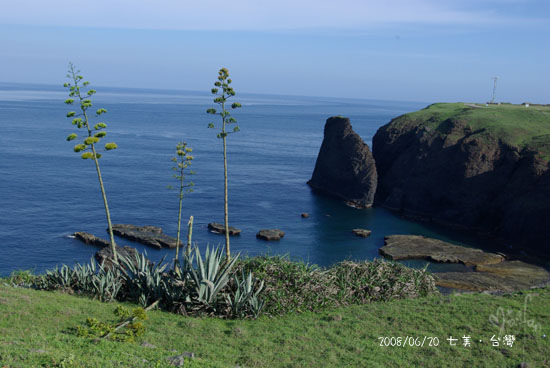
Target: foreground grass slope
(36, 329)
(517, 125)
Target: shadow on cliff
(467, 180)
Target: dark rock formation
(492, 271)
(220, 229)
(148, 235)
(269, 235)
(345, 166)
(361, 232)
(401, 247)
(505, 276)
(105, 255)
(466, 178)
(484, 281)
(91, 239)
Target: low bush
(213, 286)
(23, 278)
(128, 326)
(297, 286)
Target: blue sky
(424, 50)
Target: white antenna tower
(495, 78)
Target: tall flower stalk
(182, 162)
(92, 134)
(223, 92)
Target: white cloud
(242, 14)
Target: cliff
(475, 167)
(345, 166)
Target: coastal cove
(48, 193)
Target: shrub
(213, 286)
(22, 278)
(127, 328)
(297, 286)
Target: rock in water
(492, 271)
(91, 239)
(220, 229)
(361, 232)
(401, 247)
(105, 255)
(148, 235)
(269, 235)
(345, 166)
(489, 281)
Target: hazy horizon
(398, 50)
(208, 94)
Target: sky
(409, 50)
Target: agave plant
(245, 296)
(59, 278)
(212, 274)
(143, 279)
(83, 277)
(107, 283)
(176, 295)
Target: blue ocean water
(47, 192)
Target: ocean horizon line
(207, 93)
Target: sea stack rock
(345, 166)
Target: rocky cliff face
(467, 177)
(345, 166)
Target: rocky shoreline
(459, 167)
(450, 164)
(491, 271)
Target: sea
(47, 192)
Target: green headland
(518, 125)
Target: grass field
(520, 126)
(37, 330)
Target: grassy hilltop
(517, 125)
(37, 330)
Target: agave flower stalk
(221, 98)
(182, 162)
(189, 236)
(92, 135)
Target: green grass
(37, 330)
(517, 125)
